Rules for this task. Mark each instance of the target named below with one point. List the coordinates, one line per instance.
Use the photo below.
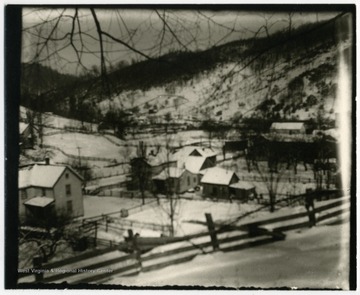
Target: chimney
(47, 161)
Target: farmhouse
(216, 182)
(288, 128)
(175, 180)
(45, 189)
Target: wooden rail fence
(102, 265)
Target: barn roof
(287, 125)
(42, 175)
(217, 175)
(171, 172)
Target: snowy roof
(22, 127)
(287, 125)
(217, 175)
(242, 185)
(194, 151)
(39, 201)
(194, 164)
(172, 172)
(41, 175)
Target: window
(69, 206)
(66, 175)
(188, 179)
(68, 189)
(23, 194)
(43, 192)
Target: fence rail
(228, 238)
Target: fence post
(135, 247)
(37, 263)
(211, 227)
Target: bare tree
(140, 172)
(270, 163)
(52, 230)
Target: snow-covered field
(90, 145)
(94, 205)
(190, 214)
(310, 258)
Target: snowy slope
(234, 88)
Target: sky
(147, 32)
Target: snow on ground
(190, 214)
(90, 145)
(108, 171)
(310, 258)
(182, 137)
(109, 180)
(94, 205)
(62, 122)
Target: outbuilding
(243, 191)
(216, 182)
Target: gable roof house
(195, 159)
(216, 182)
(175, 180)
(47, 189)
(288, 128)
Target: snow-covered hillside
(299, 87)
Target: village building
(174, 180)
(144, 168)
(46, 189)
(216, 182)
(288, 128)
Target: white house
(44, 188)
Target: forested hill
(290, 74)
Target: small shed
(243, 191)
